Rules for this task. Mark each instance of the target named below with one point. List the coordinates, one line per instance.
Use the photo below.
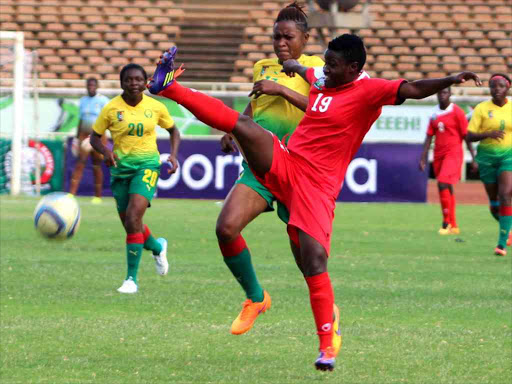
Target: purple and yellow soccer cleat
(164, 73)
(326, 360)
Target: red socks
(446, 204)
(207, 109)
(453, 220)
(146, 232)
(135, 238)
(234, 248)
(321, 297)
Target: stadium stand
(220, 42)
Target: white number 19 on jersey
(324, 103)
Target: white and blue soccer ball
(57, 216)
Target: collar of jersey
(131, 106)
(440, 111)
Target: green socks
(505, 224)
(134, 243)
(238, 259)
(150, 242)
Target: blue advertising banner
(380, 172)
(385, 172)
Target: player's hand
(464, 76)
(173, 162)
(423, 165)
(497, 134)
(265, 87)
(110, 158)
(473, 167)
(226, 144)
(290, 67)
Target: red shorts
(311, 209)
(447, 168)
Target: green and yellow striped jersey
(487, 117)
(133, 132)
(274, 112)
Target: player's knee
(314, 263)
(132, 222)
(505, 197)
(226, 231)
(243, 121)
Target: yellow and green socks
(238, 259)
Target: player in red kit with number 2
(306, 175)
(450, 126)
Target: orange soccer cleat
(249, 313)
(445, 230)
(500, 252)
(454, 231)
(509, 240)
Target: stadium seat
(451, 35)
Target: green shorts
(248, 178)
(142, 182)
(490, 165)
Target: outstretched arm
(268, 87)
(291, 67)
(420, 89)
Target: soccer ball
(57, 216)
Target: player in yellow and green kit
(491, 124)
(134, 164)
(278, 105)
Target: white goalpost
(18, 66)
(17, 94)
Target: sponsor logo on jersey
(320, 83)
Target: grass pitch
(416, 307)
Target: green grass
(416, 307)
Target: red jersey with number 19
(335, 123)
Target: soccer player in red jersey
(306, 176)
(450, 126)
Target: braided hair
(294, 12)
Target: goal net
(20, 158)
